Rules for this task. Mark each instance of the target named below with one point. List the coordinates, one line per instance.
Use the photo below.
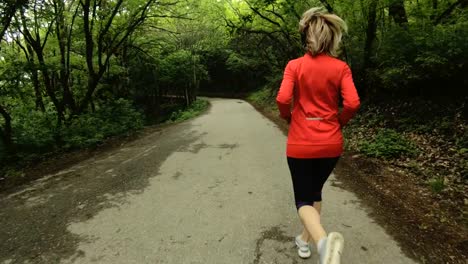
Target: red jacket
(316, 83)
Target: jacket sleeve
(286, 91)
(350, 97)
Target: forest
(74, 73)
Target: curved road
(215, 189)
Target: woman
(315, 142)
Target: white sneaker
(303, 248)
(331, 254)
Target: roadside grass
(182, 114)
(436, 184)
(387, 144)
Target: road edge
(353, 171)
(63, 160)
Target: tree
(108, 42)
(8, 10)
(370, 32)
(63, 32)
(397, 11)
(37, 41)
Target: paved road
(215, 189)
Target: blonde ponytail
(322, 31)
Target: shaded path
(212, 190)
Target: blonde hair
(322, 31)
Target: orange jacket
(316, 83)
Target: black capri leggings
(308, 177)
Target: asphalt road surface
(215, 189)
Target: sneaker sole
(335, 244)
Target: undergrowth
(193, 110)
(386, 144)
(38, 138)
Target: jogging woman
(314, 83)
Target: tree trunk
(62, 39)
(37, 91)
(397, 11)
(370, 37)
(371, 32)
(435, 4)
(186, 95)
(35, 79)
(36, 44)
(93, 107)
(195, 81)
(92, 85)
(5, 132)
(48, 84)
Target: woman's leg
(310, 218)
(309, 176)
(305, 236)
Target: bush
(193, 110)
(263, 97)
(37, 132)
(387, 144)
(115, 118)
(34, 131)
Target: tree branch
(106, 29)
(327, 6)
(277, 15)
(47, 34)
(9, 12)
(70, 31)
(449, 11)
(88, 36)
(164, 29)
(18, 42)
(256, 11)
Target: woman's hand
(286, 118)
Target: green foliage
(262, 97)
(193, 110)
(149, 53)
(237, 64)
(112, 119)
(387, 144)
(178, 69)
(35, 131)
(429, 58)
(414, 57)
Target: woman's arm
(286, 91)
(350, 97)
